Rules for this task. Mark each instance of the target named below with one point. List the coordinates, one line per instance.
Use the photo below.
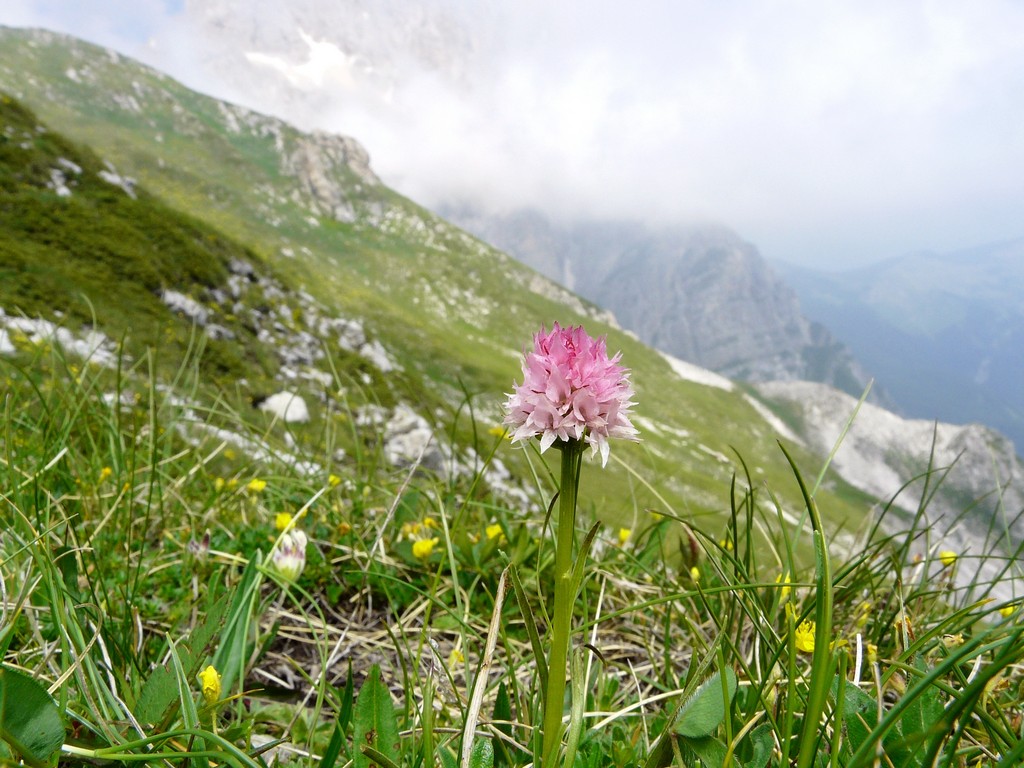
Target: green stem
(561, 615)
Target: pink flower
(571, 390)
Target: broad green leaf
(710, 751)
(189, 713)
(762, 744)
(374, 723)
(235, 647)
(159, 693)
(482, 755)
(29, 718)
(704, 711)
(860, 714)
(917, 726)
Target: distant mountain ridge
(699, 293)
(943, 332)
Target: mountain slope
(450, 314)
(362, 294)
(943, 332)
(699, 293)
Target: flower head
(571, 390)
(624, 534)
(948, 558)
(493, 531)
(209, 680)
(289, 555)
(282, 520)
(804, 636)
(424, 548)
(256, 485)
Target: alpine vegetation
(264, 503)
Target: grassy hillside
(187, 579)
(452, 312)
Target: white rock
(286, 406)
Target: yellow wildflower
(409, 530)
(1007, 611)
(948, 558)
(424, 548)
(695, 573)
(497, 431)
(209, 679)
(493, 531)
(229, 454)
(429, 522)
(333, 480)
(344, 529)
(281, 520)
(455, 658)
(624, 534)
(105, 473)
(256, 485)
(803, 638)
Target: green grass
(113, 603)
(136, 548)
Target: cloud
(850, 130)
(845, 131)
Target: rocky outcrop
(974, 494)
(323, 164)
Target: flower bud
(289, 555)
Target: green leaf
(860, 715)
(330, 756)
(482, 755)
(159, 693)
(762, 744)
(920, 722)
(347, 699)
(235, 648)
(710, 751)
(189, 713)
(374, 723)
(704, 711)
(503, 714)
(29, 718)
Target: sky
(827, 134)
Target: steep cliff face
(974, 492)
(699, 293)
(321, 163)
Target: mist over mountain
(698, 292)
(944, 333)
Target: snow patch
(773, 421)
(696, 374)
